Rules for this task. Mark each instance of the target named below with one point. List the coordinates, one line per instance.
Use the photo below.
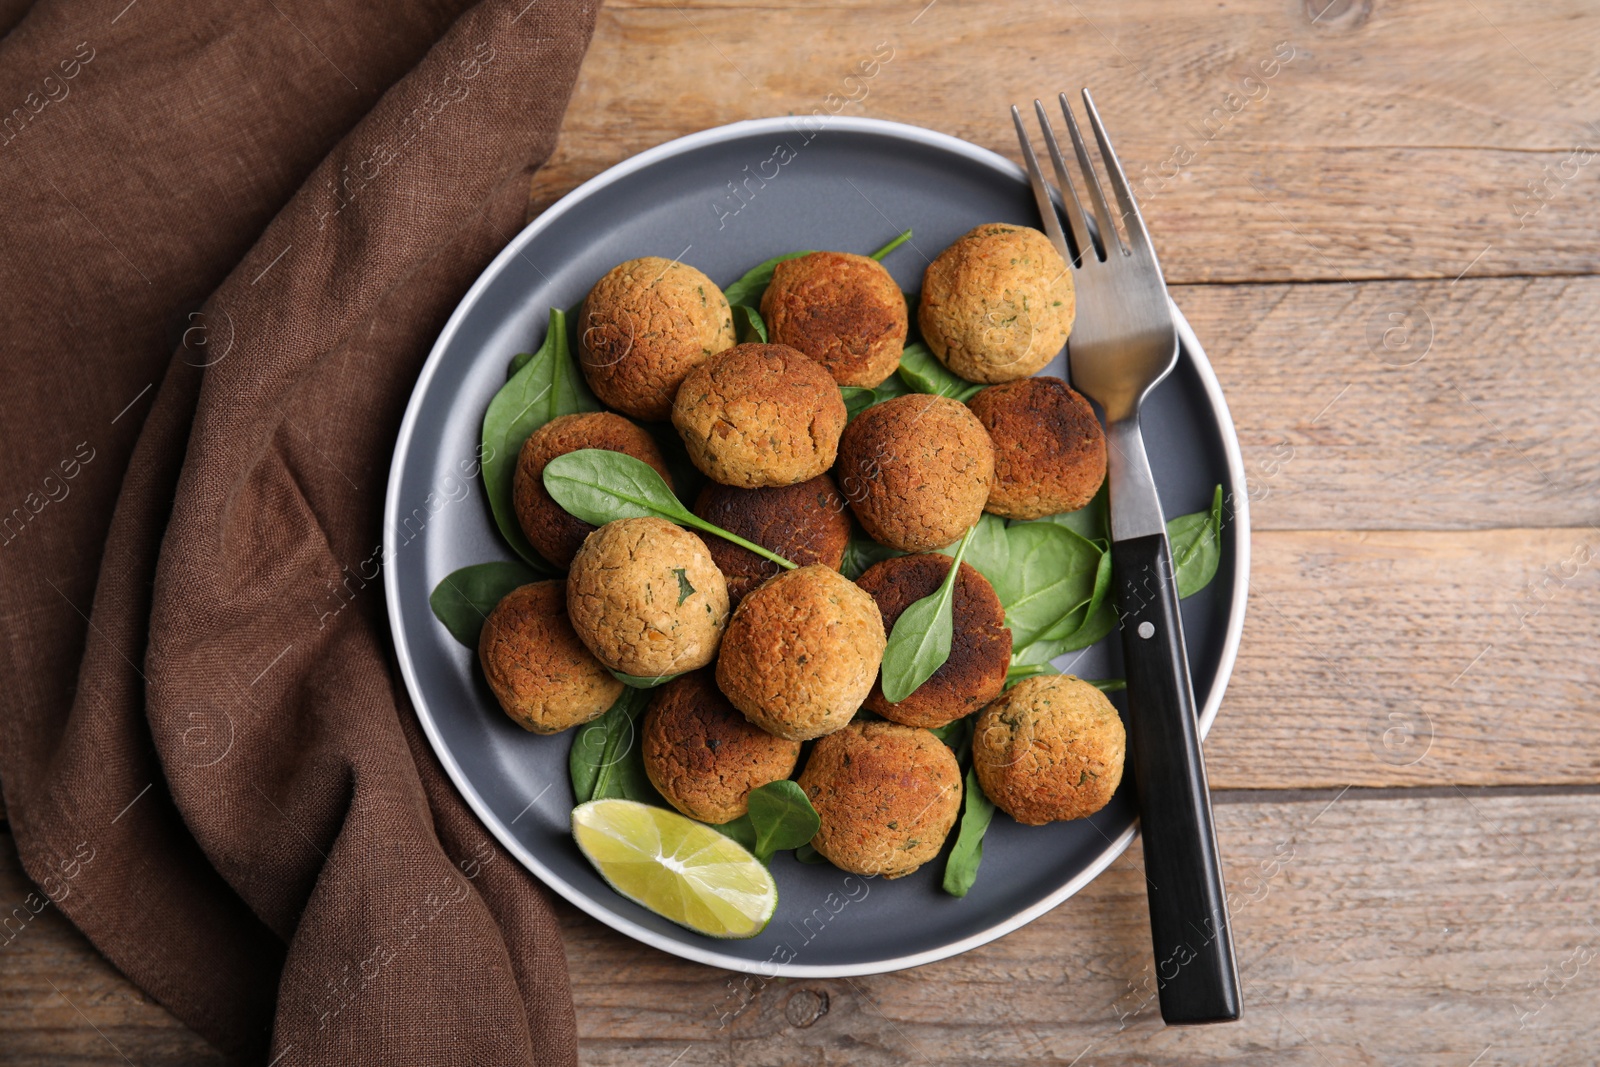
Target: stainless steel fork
(1123, 342)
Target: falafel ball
(1049, 449)
(1050, 749)
(887, 796)
(705, 757)
(543, 676)
(980, 648)
(646, 599)
(760, 415)
(804, 523)
(547, 526)
(997, 304)
(801, 652)
(842, 310)
(916, 470)
(646, 325)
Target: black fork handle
(1195, 970)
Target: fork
(1122, 344)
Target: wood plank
(1417, 931)
(1411, 404)
(1395, 143)
(1414, 658)
(62, 1003)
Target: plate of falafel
(748, 564)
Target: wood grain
(62, 1003)
(1428, 405)
(1414, 658)
(1399, 141)
(1389, 931)
(1426, 930)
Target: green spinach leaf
(920, 642)
(924, 373)
(859, 398)
(783, 818)
(606, 759)
(1050, 575)
(780, 818)
(1091, 521)
(599, 487)
(977, 810)
(990, 549)
(747, 325)
(641, 682)
(1019, 671)
(1196, 546)
(547, 385)
(463, 600)
(753, 283)
(807, 854)
(891, 246)
(861, 553)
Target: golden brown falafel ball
(643, 327)
(540, 672)
(1049, 749)
(887, 796)
(1049, 449)
(801, 652)
(980, 647)
(646, 599)
(998, 304)
(842, 310)
(804, 523)
(760, 415)
(705, 757)
(916, 470)
(544, 523)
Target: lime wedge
(678, 868)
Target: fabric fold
(204, 700)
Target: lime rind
(680, 869)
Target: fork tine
(1041, 192)
(1138, 236)
(1069, 191)
(1108, 232)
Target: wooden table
(1388, 247)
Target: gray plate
(852, 186)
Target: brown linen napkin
(207, 759)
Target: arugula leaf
(924, 373)
(753, 283)
(977, 810)
(546, 386)
(920, 642)
(463, 600)
(599, 487)
(1196, 547)
(747, 325)
(606, 759)
(891, 246)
